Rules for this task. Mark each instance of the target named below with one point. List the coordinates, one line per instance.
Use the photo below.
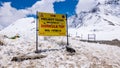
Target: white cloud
(8, 14)
(85, 5)
(43, 6)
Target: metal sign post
(49, 24)
(67, 31)
(36, 33)
(68, 49)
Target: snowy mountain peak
(108, 12)
(103, 17)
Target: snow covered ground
(88, 55)
(108, 34)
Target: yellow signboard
(51, 24)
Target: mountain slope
(102, 19)
(22, 27)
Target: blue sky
(20, 4)
(67, 7)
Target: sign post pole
(68, 49)
(36, 33)
(67, 31)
